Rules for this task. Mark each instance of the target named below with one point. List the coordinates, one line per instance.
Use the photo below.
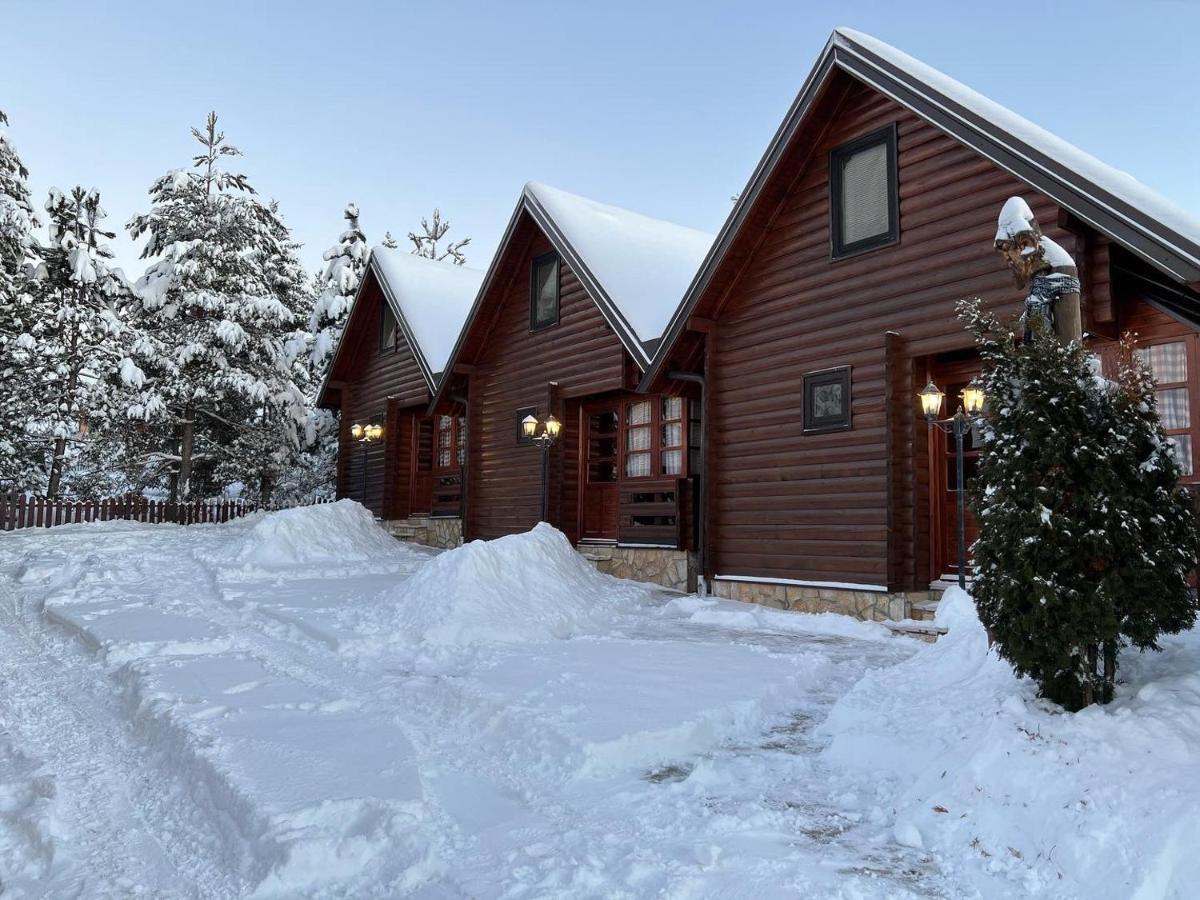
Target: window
(671, 440)
(461, 455)
(445, 441)
(827, 400)
(1168, 363)
(638, 434)
(864, 206)
(388, 328)
(543, 292)
(521, 414)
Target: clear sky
(661, 107)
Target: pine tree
(345, 263)
(214, 334)
(77, 307)
(17, 222)
(426, 243)
(267, 446)
(1085, 538)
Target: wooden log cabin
(401, 327)
(828, 300)
(565, 324)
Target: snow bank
(1020, 797)
(523, 587)
(325, 534)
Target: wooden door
(951, 378)
(421, 496)
(601, 498)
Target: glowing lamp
(931, 400)
(972, 398)
(529, 426)
(553, 427)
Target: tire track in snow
(125, 826)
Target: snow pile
(524, 587)
(325, 534)
(1009, 789)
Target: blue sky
(661, 107)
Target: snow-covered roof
(641, 265)
(1111, 201)
(430, 298)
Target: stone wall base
(445, 533)
(675, 569)
(875, 606)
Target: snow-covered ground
(297, 705)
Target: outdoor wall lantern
(958, 425)
(365, 434)
(549, 431)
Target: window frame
(1192, 431)
(837, 375)
(385, 309)
(537, 263)
(454, 447)
(886, 136)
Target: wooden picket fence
(20, 510)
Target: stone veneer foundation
(442, 532)
(876, 606)
(675, 569)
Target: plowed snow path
(123, 823)
(215, 730)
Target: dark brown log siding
(373, 378)
(827, 507)
(514, 369)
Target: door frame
(943, 566)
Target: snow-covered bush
(1085, 537)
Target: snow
(644, 265)
(433, 297)
(1017, 798)
(1015, 218)
(295, 704)
(522, 588)
(1120, 184)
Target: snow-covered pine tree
(214, 333)
(1076, 500)
(77, 306)
(17, 222)
(390, 242)
(345, 263)
(426, 243)
(261, 453)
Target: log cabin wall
(378, 383)
(513, 369)
(851, 506)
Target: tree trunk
(266, 487)
(56, 467)
(186, 438)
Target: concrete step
(925, 631)
(924, 612)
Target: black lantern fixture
(543, 434)
(958, 425)
(365, 434)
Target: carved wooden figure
(1042, 266)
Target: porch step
(924, 612)
(922, 630)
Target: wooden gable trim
(354, 330)
(542, 220)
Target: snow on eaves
(1119, 184)
(643, 265)
(433, 298)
